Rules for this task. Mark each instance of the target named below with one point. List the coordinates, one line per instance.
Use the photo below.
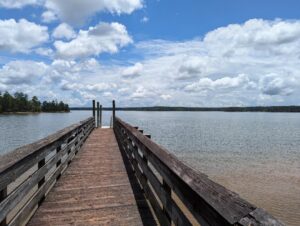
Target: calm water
(254, 154)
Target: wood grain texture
(209, 202)
(94, 190)
(13, 164)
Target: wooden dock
(84, 175)
(94, 190)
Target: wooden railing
(180, 195)
(29, 172)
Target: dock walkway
(94, 190)
(87, 175)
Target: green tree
(20, 103)
(35, 104)
(7, 102)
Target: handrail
(28, 172)
(163, 176)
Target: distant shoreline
(30, 113)
(222, 109)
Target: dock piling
(94, 108)
(98, 114)
(114, 112)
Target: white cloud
(104, 37)
(44, 51)
(240, 64)
(76, 12)
(223, 83)
(274, 84)
(229, 66)
(141, 92)
(21, 36)
(64, 31)
(166, 96)
(22, 72)
(18, 3)
(133, 71)
(145, 19)
(49, 16)
(88, 88)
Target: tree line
(20, 102)
(226, 109)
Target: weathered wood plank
(93, 186)
(170, 206)
(24, 213)
(209, 202)
(17, 195)
(68, 141)
(13, 164)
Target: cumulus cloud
(70, 69)
(76, 12)
(274, 84)
(21, 36)
(64, 31)
(98, 87)
(141, 92)
(18, 3)
(22, 72)
(44, 51)
(233, 61)
(133, 71)
(254, 63)
(49, 16)
(105, 37)
(223, 83)
(255, 37)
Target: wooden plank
(17, 195)
(13, 164)
(259, 217)
(88, 193)
(69, 138)
(28, 208)
(170, 206)
(209, 202)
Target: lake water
(256, 155)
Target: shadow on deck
(98, 188)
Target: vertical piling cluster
(97, 113)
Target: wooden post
(58, 149)
(94, 108)
(168, 191)
(100, 116)
(42, 181)
(98, 113)
(114, 112)
(3, 195)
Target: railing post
(58, 149)
(3, 195)
(94, 103)
(98, 113)
(114, 112)
(168, 197)
(100, 116)
(42, 181)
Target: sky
(152, 52)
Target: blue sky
(145, 53)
